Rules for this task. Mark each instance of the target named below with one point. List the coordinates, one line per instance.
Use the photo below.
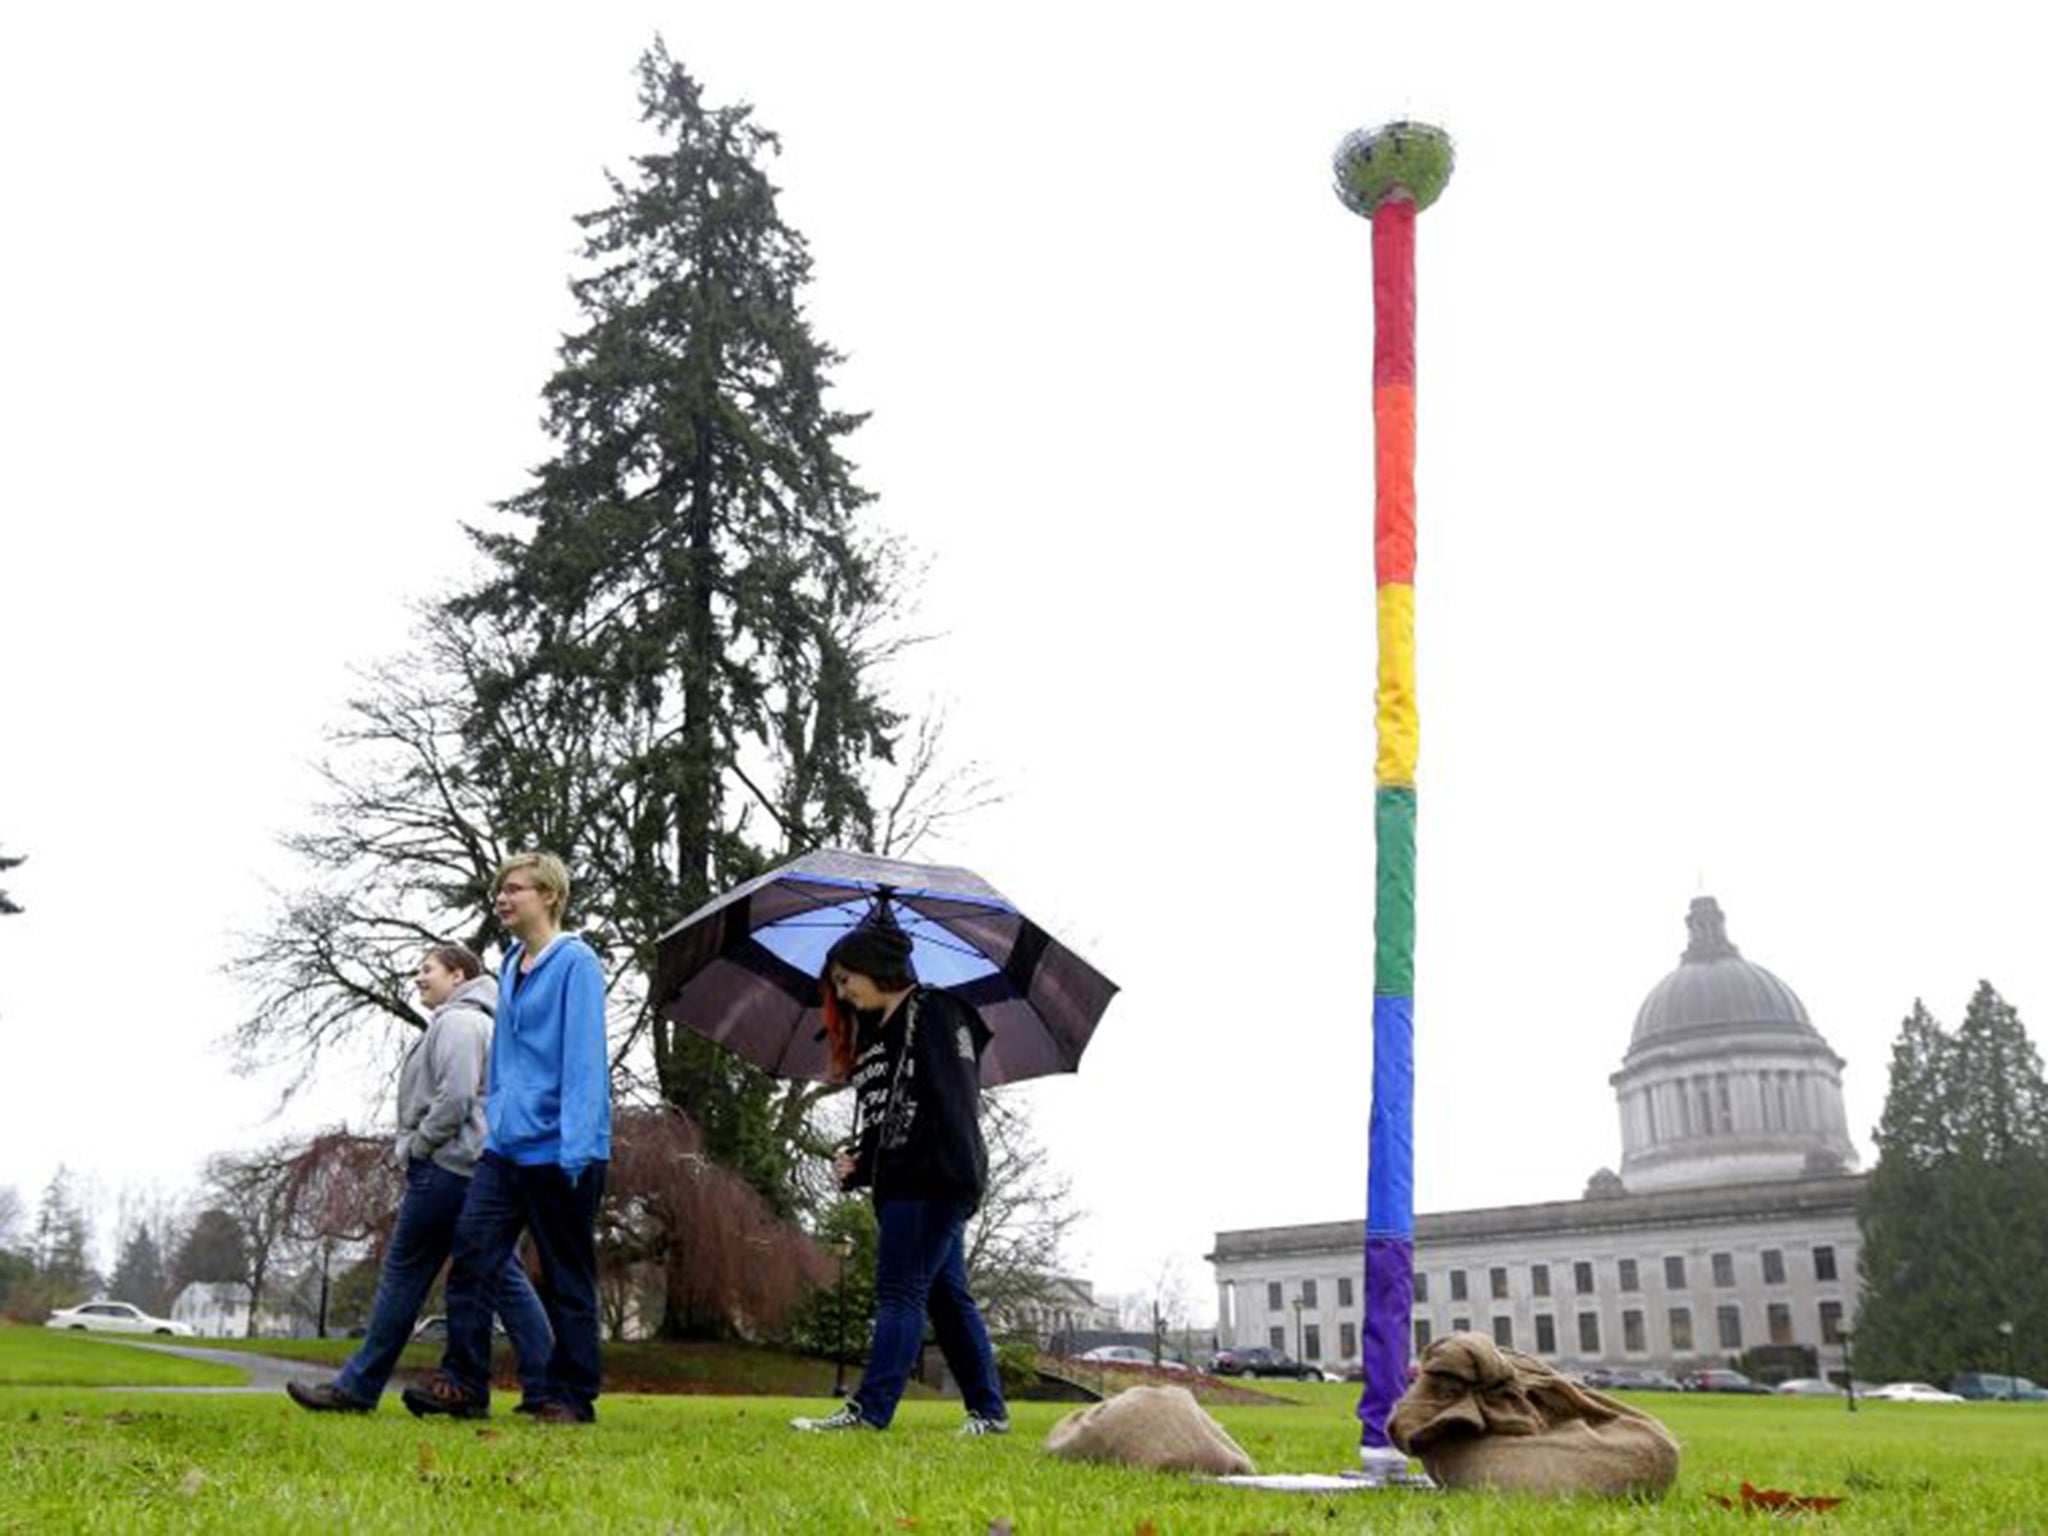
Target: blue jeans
(505, 1199)
(419, 1247)
(920, 1267)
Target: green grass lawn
(43, 1357)
(81, 1460)
(637, 1366)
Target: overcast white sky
(1732, 332)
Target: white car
(1127, 1354)
(1911, 1392)
(115, 1317)
(1807, 1386)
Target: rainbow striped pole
(1389, 175)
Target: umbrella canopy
(742, 970)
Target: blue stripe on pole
(1390, 1179)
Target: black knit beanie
(878, 951)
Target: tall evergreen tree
(63, 1243)
(214, 1248)
(1955, 1216)
(139, 1274)
(689, 568)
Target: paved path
(267, 1373)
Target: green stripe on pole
(1393, 960)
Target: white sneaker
(848, 1417)
(977, 1425)
(1382, 1463)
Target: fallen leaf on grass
(430, 1460)
(490, 1434)
(1777, 1500)
(190, 1484)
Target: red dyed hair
(838, 1030)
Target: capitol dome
(1726, 1079)
(1714, 988)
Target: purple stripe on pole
(1389, 1297)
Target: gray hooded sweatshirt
(441, 1082)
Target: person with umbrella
(912, 1055)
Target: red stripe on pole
(1393, 292)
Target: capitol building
(1731, 1224)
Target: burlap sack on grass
(1162, 1428)
(1481, 1416)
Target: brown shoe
(557, 1413)
(324, 1397)
(440, 1393)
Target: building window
(1781, 1323)
(1546, 1334)
(1724, 1269)
(1728, 1323)
(1589, 1333)
(1504, 1332)
(1421, 1334)
(1343, 1290)
(1674, 1272)
(1630, 1280)
(1632, 1332)
(1312, 1342)
(1680, 1320)
(1497, 1281)
(1347, 1339)
(1539, 1279)
(1831, 1322)
(1273, 1302)
(1276, 1340)
(1457, 1285)
(1724, 1114)
(1421, 1286)
(1461, 1325)
(1774, 1266)
(1824, 1263)
(1582, 1278)
(1308, 1293)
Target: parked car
(1128, 1354)
(116, 1317)
(1263, 1362)
(1911, 1392)
(1722, 1381)
(1628, 1379)
(1807, 1386)
(1991, 1386)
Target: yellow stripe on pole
(1398, 727)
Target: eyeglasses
(510, 888)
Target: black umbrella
(743, 969)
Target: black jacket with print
(919, 1110)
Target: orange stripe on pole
(1393, 420)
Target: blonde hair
(550, 874)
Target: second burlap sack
(1481, 1416)
(1162, 1428)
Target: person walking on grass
(913, 1056)
(548, 1139)
(440, 1134)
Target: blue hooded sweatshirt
(550, 1098)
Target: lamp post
(1297, 1330)
(843, 1247)
(2012, 1382)
(1848, 1366)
